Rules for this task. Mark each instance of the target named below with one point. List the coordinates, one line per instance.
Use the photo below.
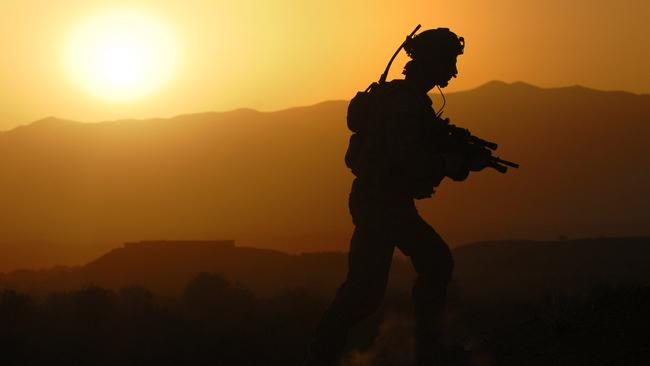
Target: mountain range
(70, 190)
(484, 271)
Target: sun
(121, 55)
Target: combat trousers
(382, 222)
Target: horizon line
(249, 109)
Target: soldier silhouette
(400, 152)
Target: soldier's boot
(445, 356)
(328, 345)
(428, 347)
(429, 295)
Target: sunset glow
(121, 55)
(106, 60)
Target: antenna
(382, 78)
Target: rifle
(465, 137)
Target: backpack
(364, 119)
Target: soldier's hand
(453, 163)
(480, 159)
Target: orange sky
(271, 55)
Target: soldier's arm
(455, 159)
(407, 140)
(456, 165)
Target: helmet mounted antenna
(382, 78)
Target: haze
(280, 54)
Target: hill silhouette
(277, 180)
(486, 270)
(165, 267)
(523, 269)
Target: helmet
(433, 43)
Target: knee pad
(436, 264)
(354, 303)
(445, 261)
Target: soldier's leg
(370, 257)
(433, 263)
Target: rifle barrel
(505, 162)
(498, 167)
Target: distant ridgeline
(278, 180)
(180, 244)
(516, 269)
